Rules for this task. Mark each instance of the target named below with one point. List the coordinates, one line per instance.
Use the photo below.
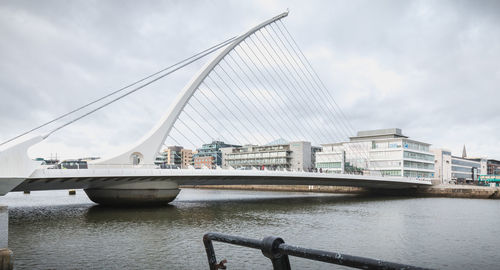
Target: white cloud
(430, 68)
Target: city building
(455, 169)
(210, 155)
(175, 157)
(170, 156)
(467, 170)
(186, 158)
(204, 162)
(442, 166)
(295, 156)
(493, 167)
(385, 151)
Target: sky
(427, 67)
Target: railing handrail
(277, 251)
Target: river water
(53, 230)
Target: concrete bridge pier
(155, 192)
(6, 255)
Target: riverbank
(461, 191)
(450, 191)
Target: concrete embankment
(460, 191)
(296, 188)
(451, 191)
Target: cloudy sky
(430, 68)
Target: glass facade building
(210, 155)
(295, 156)
(170, 157)
(386, 152)
(467, 170)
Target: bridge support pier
(6, 255)
(135, 194)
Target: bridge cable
(286, 57)
(182, 134)
(300, 67)
(216, 118)
(361, 154)
(224, 115)
(236, 106)
(298, 93)
(241, 101)
(342, 124)
(206, 120)
(314, 95)
(290, 74)
(273, 88)
(274, 126)
(290, 86)
(191, 59)
(132, 91)
(192, 131)
(285, 74)
(190, 128)
(283, 82)
(253, 93)
(229, 110)
(317, 76)
(264, 86)
(343, 119)
(264, 116)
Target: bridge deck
(48, 179)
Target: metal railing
(277, 251)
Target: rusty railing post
(270, 249)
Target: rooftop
(385, 133)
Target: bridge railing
(218, 169)
(277, 251)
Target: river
(54, 230)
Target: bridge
(258, 88)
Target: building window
(391, 172)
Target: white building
(467, 170)
(442, 165)
(295, 156)
(454, 169)
(385, 151)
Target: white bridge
(271, 74)
(43, 179)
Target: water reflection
(191, 212)
(103, 214)
(56, 231)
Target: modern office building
(467, 170)
(295, 156)
(175, 157)
(210, 155)
(385, 151)
(455, 169)
(442, 165)
(170, 156)
(493, 167)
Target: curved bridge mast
(145, 151)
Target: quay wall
(460, 191)
(450, 191)
(296, 188)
